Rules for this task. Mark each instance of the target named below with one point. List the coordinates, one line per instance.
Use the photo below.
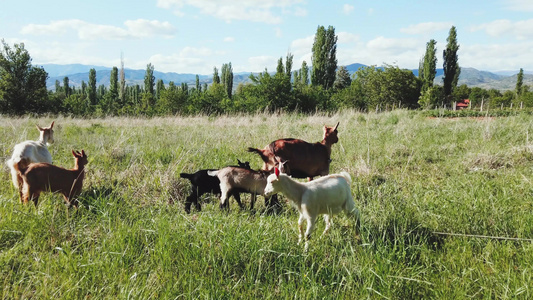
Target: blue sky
(194, 36)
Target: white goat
(327, 195)
(31, 152)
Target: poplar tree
(428, 69)
(288, 65)
(324, 57)
(149, 79)
(113, 84)
(304, 74)
(216, 78)
(198, 86)
(160, 87)
(519, 83)
(91, 90)
(451, 65)
(66, 86)
(227, 79)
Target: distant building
(462, 104)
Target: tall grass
(412, 175)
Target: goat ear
(39, 127)
(276, 171)
(74, 153)
(52, 125)
(83, 153)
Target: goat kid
(41, 177)
(31, 152)
(236, 178)
(327, 195)
(203, 183)
(303, 159)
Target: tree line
(323, 86)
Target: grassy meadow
(413, 176)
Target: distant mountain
(54, 70)
(78, 73)
(473, 77)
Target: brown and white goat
(237, 178)
(45, 177)
(327, 195)
(31, 152)
(303, 159)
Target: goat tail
(21, 166)
(186, 175)
(213, 173)
(347, 176)
(260, 152)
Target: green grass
(412, 176)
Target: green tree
(66, 86)
(342, 79)
(227, 79)
(388, 87)
(91, 89)
(519, 83)
(159, 87)
(304, 74)
(149, 80)
(198, 86)
(324, 57)
(451, 66)
(429, 66)
(288, 65)
(272, 92)
(172, 100)
(109, 103)
(22, 86)
(216, 78)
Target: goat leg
(328, 224)
(237, 197)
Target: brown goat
(303, 159)
(41, 177)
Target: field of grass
(413, 177)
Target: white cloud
(134, 29)
(188, 60)
(404, 53)
(229, 10)
(427, 28)
(229, 39)
(300, 47)
(347, 9)
(519, 5)
(300, 11)
(520, 30)
(259, 63)
(346, 38)
(392, 45)
(498, 56)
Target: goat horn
(336, 126)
